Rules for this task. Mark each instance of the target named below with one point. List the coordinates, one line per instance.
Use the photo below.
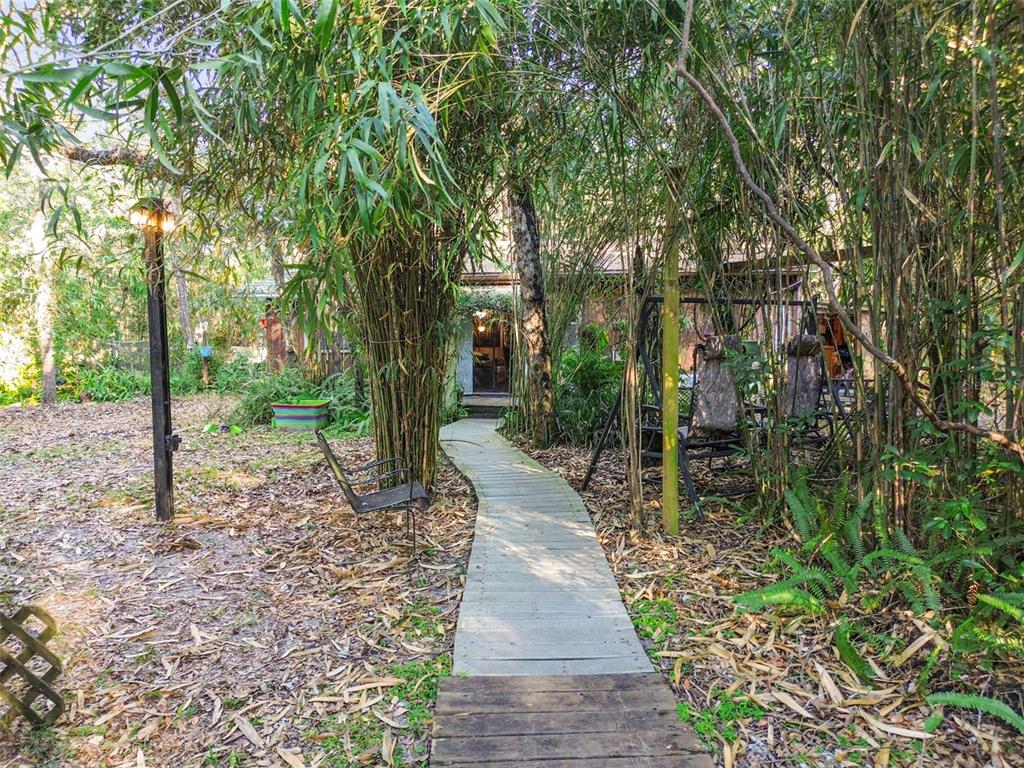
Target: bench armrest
(401, 471)
(372, 465)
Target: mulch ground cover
(264, 626)
(770, 690)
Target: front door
(492, 351)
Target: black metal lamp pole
(154, 219)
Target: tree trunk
(184, 311)
(43, 309)
(277, 271)
(526, 239)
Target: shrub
(234, 376)
(588, 383)
(107, 384)
(262, 390)
(346, 413)
(259, 393)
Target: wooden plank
(574, 629)
(506, 700)
(659, 742)
(676, 761)
(541, 683)
(494, 650)
(580, 721)
(552, 723)
(530, 667)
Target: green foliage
(471, 300)
(419, 689)
(232, 377)
(655, 619)
(995, 628)
(985, 704)
(849, 654)
(721, 718)
(108, 384)
(586, 387)
(260, 392)
(348, 415)
(835, 558)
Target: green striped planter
(300, 416)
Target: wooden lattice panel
(28, 667)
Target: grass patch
(419, 691)
(655, 619)
(721, 718)
(420, 619)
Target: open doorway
(492, 351)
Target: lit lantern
(152, 214)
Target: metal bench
(409, 495)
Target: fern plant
(985, 704)
(835, 558)
(995, 627)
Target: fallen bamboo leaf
(387, 746)
(249, 732)
(293, 759)
(790, 702)
(828, 685)
(893, 730)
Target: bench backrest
(339, 472)
(804, 376)
(714, 406)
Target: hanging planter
(301, 415)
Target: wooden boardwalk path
(548, 670)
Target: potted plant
(301, 415)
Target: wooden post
(670, 359)
(164, 442)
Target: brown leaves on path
(770, 690)
(265, 626)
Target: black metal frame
(410, 496)
(165, 442)
(693, 448)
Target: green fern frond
(832, 554)
(1005, 603)
(787, 559)
(890, 557)
(924, 677)
(850, 655)
(992, 707)
(802, 519)
(785, 594)
(840, 502)
(854, 538)
(902, 541)
(1006, 542)
(861, 510)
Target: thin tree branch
(124, 156)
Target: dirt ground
(770, 690)
(265, 626)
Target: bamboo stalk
(898, 370)
(670, 358)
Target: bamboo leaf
(323, 27)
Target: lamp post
(155, 220)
